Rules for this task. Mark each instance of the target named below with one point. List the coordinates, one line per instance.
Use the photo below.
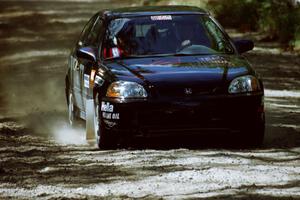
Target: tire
(71, 110)
(103, 140)
(256, 133)
(256, 137)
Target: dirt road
(41, 157)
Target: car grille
(185, 91)
(177, 119)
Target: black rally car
(152, 71)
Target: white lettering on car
(161, 17)
(110, 123)
(115, 116)
(107, 107)
(106, 115)
(115, 52)
(86, 81)
(73, 62)
(99, 81)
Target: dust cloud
(64, 134)
(33, 66)
(36, 39)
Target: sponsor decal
(186, 43)
(107, 107)
(115, 116)
(110, 123)
(73, 62)
(81, 66)
(215, 60)
(107, 115)
(98, 80)
(115, 52)
(161, 17)
(86, 81)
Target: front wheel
(256, 133)
(256, 136)
(71, 110)
(103, 139)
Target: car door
(78, 65)
(94, 39)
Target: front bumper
(183, 116)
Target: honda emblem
(188, 91)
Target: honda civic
(162, 71)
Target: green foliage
(150, 2)
(236, 13)
(296, 43)
(280, 19)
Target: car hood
(199, 74)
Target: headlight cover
(126, 89)
(244, 84)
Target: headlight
(244, 84)
(126, 89)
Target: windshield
(164, 35)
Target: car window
(216, 36)
(86, 30)
(92, 38)
(165, 34)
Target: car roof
(152, 10)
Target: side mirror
(87, 53)
(243, 46)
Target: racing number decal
(74, 63)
